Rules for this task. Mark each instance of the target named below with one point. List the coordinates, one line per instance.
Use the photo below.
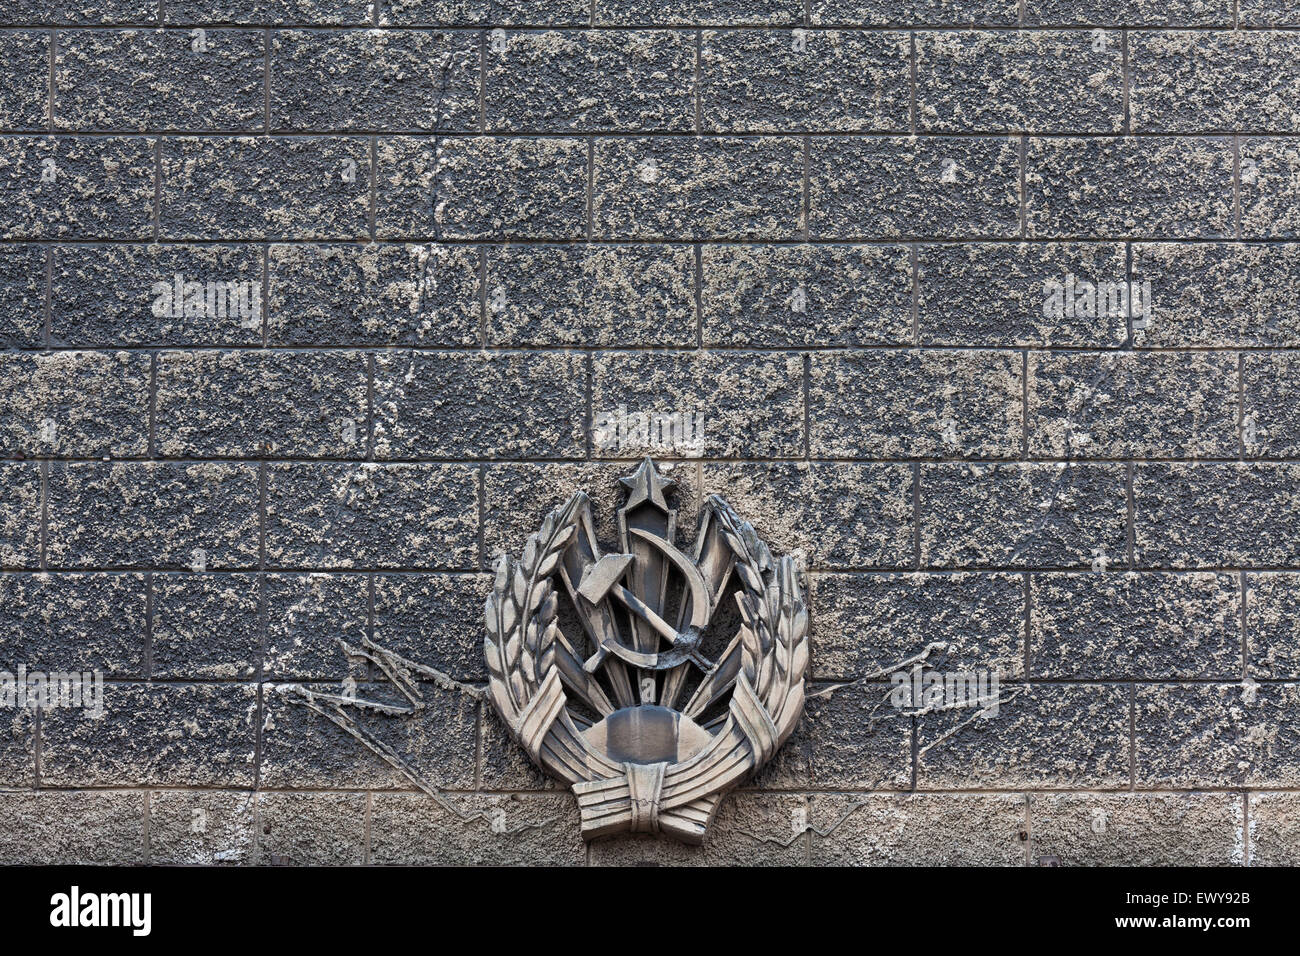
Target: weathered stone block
(206, 627)
(200, 827)
(74, 622)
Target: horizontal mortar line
(472, 462)
(533, 241)
(1081, 569)
(1099, 351)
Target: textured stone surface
(1099, 626)
(64, 404)
(1216, 735)
(373, 79)
(1274, 834)
(805, 295)
(25, 57)
(893, 187)
(433, 619)
(198, 735)
(76, 187)
(1187, 82)
(81, 827)
(1048, 82)
(1178, 188)
(246, 188)
(22, 283)
(373, 295)
(453, 405)
(159, 80)
(20, 515)
(307, 618)
(1016, 515)
(870, 625)
(764, 81)
(896, 404)
(341, 516)
(324, 829)
(1271, 649)
(629, 295)
(522, 13)
(918, 829)
(200, 827)
(591, 81)
(1124, 406)
(1138, 829)
(1182, 13)
(715, 188)
(998, 294)
(1270, 191)
(1213, 515)
(858, 740)
(125, 295)
(251, 403)
(205, 626)
(74, 622)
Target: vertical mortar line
(1245, 828)
(807, 190)
(370, 406)
(591, 187)
(157, 188)
(482, 513)
(370, 799)
(916, 515)
(1024, 404)
(1241, 405)
(266, 293)
(38, 731)
(1131, 502)
(49, 105)
(699, 296)
(1029, 611)
(371, 669)
(153, 404)
(482, 82)
(1127, 128)
(482, 297)
(699, 80)
(593, 13)
(911, 83)
(266, 82)
(148, 625)
(1024, 196)
(915, 256)
(1236, 185)
(1129, 341)
(1029, 829)
(45, 515)
(262, 615)
(589, 371)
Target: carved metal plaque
(647, 713)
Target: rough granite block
(1270, 189)
(308, 616)
(206, 627)
(252, 403)
(1051, 736)
(311, 829)
(887, 187)
(433, 619)
(974, 294)
(337, 516)
(858, 739)
(348, 13)
(1135, 626)
(18, 746)
(917, 829)
(454, 12)
(590, 81)
(1168, 188)
(1127, 405)
(74, 622)
(482, 188)
(777, 81)
(832, 514)
(806, 295)
(1219, 294)
(80, 828)
(412, 829)
(1136, 13)
(851, 13)
(159, 80)
(1194, 82)
(691, 188)
(1268, 13)
(302, 749)
(611, 295)
(1191, 515)
(873, 625)
(74, 404)
(1138, 829)
(98, 187)
(1270, 425)
(155, 735)
(200, 827)
(706, 12)
(127, 295)
(374, 295)
(245, 188)
(25, 59)
(20, 514)
(1028, 515)
(20, 12)
(374, 80)
(915, 404)
(1271, 647)
(22, 296)
(1040, 82)
(153, 514)
(1274, 829)
(1217, 735)
(457, 404)
(749, 405)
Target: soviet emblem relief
(628, 694)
